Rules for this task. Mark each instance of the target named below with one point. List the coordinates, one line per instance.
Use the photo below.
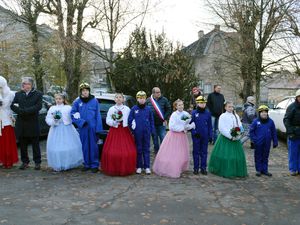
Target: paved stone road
(75, 197)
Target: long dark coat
(27, 108)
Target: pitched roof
(200, 47)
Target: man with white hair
(249, 114)
(27, 104)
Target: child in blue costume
(262, 132)
(141, 123)
(86, 115)
(201, 135)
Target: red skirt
(119, 152)
(8, 147)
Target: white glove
(133, 125)
(56, 122)
(76, 115)
(188, 121)
(190, 126)
(115, 124)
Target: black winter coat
(27, 108)
(215, 104)
(291, 120)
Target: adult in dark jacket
(27, 104)
(161, 109)
(215, 104)
(262, 133)
(291, 121)
(249, 114)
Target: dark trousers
(24, 142)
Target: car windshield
(105, 104)
(285, 103)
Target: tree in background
(151, 61)
(27, 12)
(259, 24)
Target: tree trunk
(37, 67)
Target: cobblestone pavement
(75, 197)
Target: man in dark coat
(27, 104)
(215, 104)
(291, 121)
(161, 109)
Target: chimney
(200, 34)
(217, 27)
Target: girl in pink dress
(173, 156)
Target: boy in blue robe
(141, 123)
(262, 133)
(201, 135)
(86, 116)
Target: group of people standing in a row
(127, 146)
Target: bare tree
(115, 17)
(69, 16)
(259, 23)
(27, 12)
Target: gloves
(115, 124)
(133, 125)
(189, 126)
(197, 135)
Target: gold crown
(141, 94)
(201, 99)
(263, 108)
(84, 86)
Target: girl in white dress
(64, 150)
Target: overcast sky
(181, 20)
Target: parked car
(106, 100)
(278, 112)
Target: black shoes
(267, 174)
(84, 169)
(196, 172)
(37, 166)
(24, 166)
(94, 170)
(203, 172)
(258, 174)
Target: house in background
(278, 85)
(213, 63)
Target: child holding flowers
(119, 151)
(63, 143)
(228, 158)
(173, 156)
